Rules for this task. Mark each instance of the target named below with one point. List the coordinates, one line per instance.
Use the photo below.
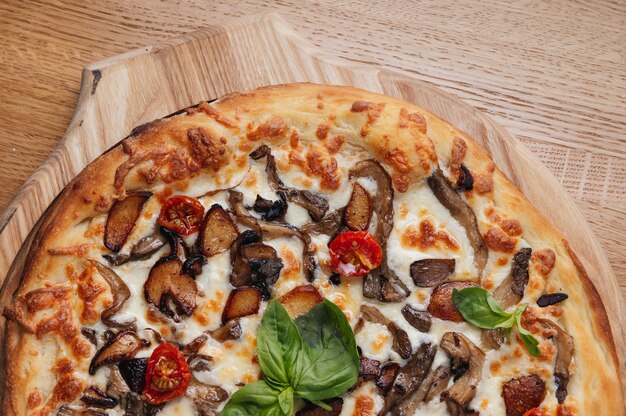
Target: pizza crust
(405, 139)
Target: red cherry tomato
(181, 214)
(167, 374)
(534, 412)
(355, 253)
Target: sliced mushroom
(313, 203)
(206, 397)
(93, 396)
(116, 386)
(120, 292)
(269, 230)
(431, 272)
(441, 304)
(409, 378)
(401, 342)
(134, 404)
(358, 212)
(169, 289)
(199, 362)
(242, 301)
(121, 219)
(461, 212)
(330, 225)
(67, 410)
(387, 376)
(463, 354)
(133, 372)
(523, 394)
(178, 247)
(564, 349)
(433, 385)
(465, 182)
(382, 283)
(142, 249)
(368, 369)
(548, 299)
(121, 347)
(217, 233)
(230, 330)
(311, 409)
(300, 300)
(419, 320)
(271, 210)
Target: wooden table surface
(552, 72)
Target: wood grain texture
(572, 121)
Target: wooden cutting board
(139, 86)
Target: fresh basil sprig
(313, 357)
(480, 309)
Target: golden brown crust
(211, 141)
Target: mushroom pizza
(303, 249)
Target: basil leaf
(529, 341)
(278, 346)
(253, 399)
(285, 401)
(479, 308)
(329, 358)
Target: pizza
(303, 249)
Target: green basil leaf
(479, 308)
(285, 401)
(529, 341)
(329, 358)
(278, 346)
(253, 399)
(322, 404)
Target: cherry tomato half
(181, 214)
(167, 374)
(355, 253)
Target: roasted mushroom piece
(242, 301)
(387, 376)
(409, 379)
(313, 203)
(300, 300)
(67, 410)
(381, 283)
(230, 330)
(169, 289)
(433, 385)
(121, 219)
(465, 182)
(271, 210)
(311, 409)
(141, 250)
(205, 396)
(548, 299)
(120, 292)
(368, 369)
(523, 394)
(431, 272)
(217, 233)
(133, 372)
(358, 212)
(401, 342)
(93, 396)
(461, 212)
(564, 349)
(463, 354)
(419, 320)
(122, 346)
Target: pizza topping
(143, 249)
(401, 342)
(122, 218)
(93, 396)
(435, 383)
(133, 372)
(230, 330)
(442, 304)
(312, 202)
(565, 348)
(511, 290)
(358, 212)
(355, 253)
(420, 320)
(431, 272)
(461, 212)
(242, 301)
(548, 299)
(465, 182)
(218, 232)
(409, 378)
(368, 369)
(205, 397)
(167, 374)
(119, 291)
(463, 354)
(271, 210)
(181, 214)
(387, 376)
(169, 289)
(523, 394)
(300, 300)
(330, 224)
(313, 410)
(122, 346)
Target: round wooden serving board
(119, 93)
